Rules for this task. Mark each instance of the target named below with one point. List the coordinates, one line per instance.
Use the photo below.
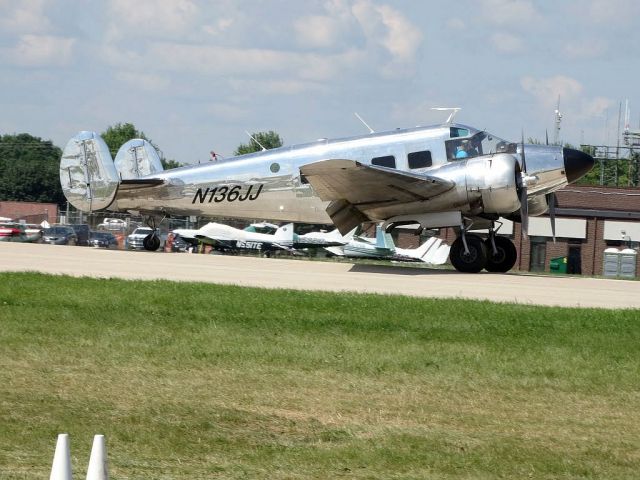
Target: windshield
(140, 231)
(482, 143)
(56, 230)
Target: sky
(194, 75)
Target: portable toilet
(628, 258)
(611, 262)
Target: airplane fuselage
(269, 185)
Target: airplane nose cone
(576, 164)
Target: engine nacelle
(493, 180)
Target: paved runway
(318, 275)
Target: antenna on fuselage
(363, 122)
(255, 140)
(453, 111)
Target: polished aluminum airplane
(448, 175)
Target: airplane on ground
(433, 251)
(225, 238)
(398, 177)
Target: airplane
(397, 177)
(433, 251)
(225, 238)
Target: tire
(151, 242)
(505, 258)
(474, 261)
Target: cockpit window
(457, 132)
(482, 143)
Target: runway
(320, 275)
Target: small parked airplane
(448, 175)
(229, 239)
(433, 251)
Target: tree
(29, 169)
(268, 139)
(115, 136)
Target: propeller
(551, 199)
(524, 204)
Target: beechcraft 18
(448, 175)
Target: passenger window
(420, 159)
(388, 161)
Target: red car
(12, 232)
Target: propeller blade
(524, 210)
(546, 135)
(524, 204)
(524, 162)
(552, 214)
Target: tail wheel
(472, 261)
(505, 256)
(151, 242)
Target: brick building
(589, 219)
(30, 212)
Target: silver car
(60, 235)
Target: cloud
(509, 12)
(25, 16)
(456, 24)
(612, 12)
(546, 90)
(151, 17)
(40, 51)
(387, 27)
(586, 48)
(317, 31)
(595, 107)
(506, 43)
(144, 81)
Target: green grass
(208, 381)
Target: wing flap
(354, 188)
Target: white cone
(61, 468)
(98, 461)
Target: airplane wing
(355, 189)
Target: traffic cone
(61, 468)
(98, 460)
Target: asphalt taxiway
(319, 275)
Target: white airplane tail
(284, 233)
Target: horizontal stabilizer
(138, 183)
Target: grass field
(207, 381)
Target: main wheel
(151, 242)
(505, 257)
(471, 262)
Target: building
(589, 219)
(30, 212)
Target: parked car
(12, 232)
(82, 232)
(102, 239)
(113, 224)
(136, 239)
(33, 232)
(60, 235)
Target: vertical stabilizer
(88, 176)
(284, 233)
(137, 158)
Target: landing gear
(503, 257)
(471, 259)
(151, 242)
